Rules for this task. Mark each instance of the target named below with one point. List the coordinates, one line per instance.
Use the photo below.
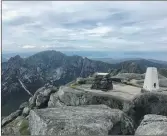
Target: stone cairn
(103, 83)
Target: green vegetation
(24, 127)
(131, 84)
(77, 83)
(74, 85)
(82, 82)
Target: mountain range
(21, 77)
(114, 61)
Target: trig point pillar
(151, 82)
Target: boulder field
(74, 110)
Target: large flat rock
(75, 120)
(152, 125)
(83, 96)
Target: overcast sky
(92, 26)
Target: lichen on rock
(152, 125)
(79, 120)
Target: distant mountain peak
(17, 57)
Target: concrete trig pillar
(151, 82)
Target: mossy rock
(19, 126)
(24, 127)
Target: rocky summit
(76, 109)
(50, 93)
(21, 77)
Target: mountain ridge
(37, 70)
(114, 61)
(55, 68)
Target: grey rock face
(151, 103)
(106, 84)
(73, 97)
(18, 126)
(69, 97)
(10, 131)
(11, 117)
(32, 101)
(87, 120)
(54, 101)
(163, 82)
(96, 83)
(103, 83)
(23, 105)
(152, 125)
(41, 99)
(26, 111)
(45, 67)
(41, 96)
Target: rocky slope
(71, 110)
(17, 122)
(22, 77)
(139, 66)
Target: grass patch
(131, 84)
(74, 85)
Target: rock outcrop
(11, 117)
(106, 83)
(149, 103)
(35, 71)
(152, 125)
(163, 82)
(96, 83)
(76, 109)
(103, 83)
(18, 126)
(23, 105)
(73, 97)
(57, 69)
(86, 120)
(34, 102)
(26, 111)
(41, 97)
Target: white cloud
(9, 15)
(130, 29)
(100, 31)
(47, 46)
(83, 25)
(28, 46)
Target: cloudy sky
(85, 26)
